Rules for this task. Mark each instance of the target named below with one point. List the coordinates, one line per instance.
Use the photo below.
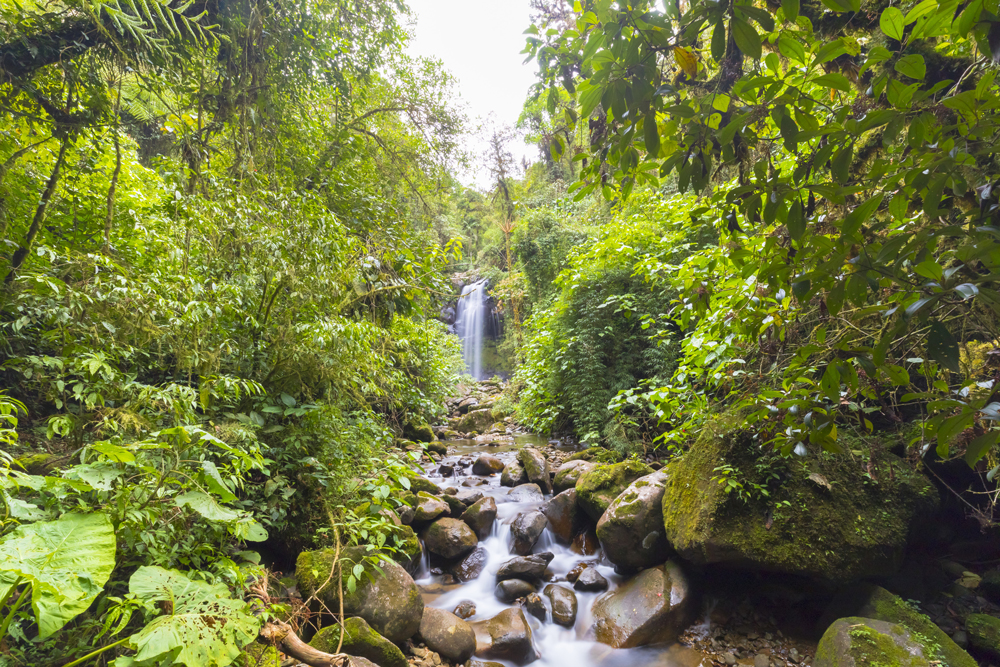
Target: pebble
(761, 660)
(729, 658)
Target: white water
(470, 323)
(557, 646)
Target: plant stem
(13, 610)
(80, 661)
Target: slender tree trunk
(36, 223)
(114, 177)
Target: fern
(150, 23)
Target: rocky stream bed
(524, 550)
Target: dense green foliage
(221, 252)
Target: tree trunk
(280, 633)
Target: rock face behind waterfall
(631, 530)
(836, 525)
(652, 607)
(389, 602)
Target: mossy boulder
(429, 507)
(37, 464)
(834, 518)
(390, 602)
(598, 487)
(480, 516)
(513, 475)
(455, 506)
(867, 642)
(359, 640)
(536, 467)
(631, 530)
(569, 473)
(418, 432)
(408, 551)
(984, 633)
(475, 420)
(418, 484)
(449, 538)
(257, 654)
(594, 455)
(438, 448)
(870, 601)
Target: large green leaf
(205, 627)
(66, 562)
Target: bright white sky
(480, 42)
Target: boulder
(390, 602)
(532, 603)
(568, 473)
(526, 529)
(428, 508)
(563, 602)
(487, 465)
(475, 420)
(513, 475)
(566, 519)
(866, 642)
(467, 404)
(526, 493)
(480, 516)
(449, 538)
(465, 609)
(874, 602)
(455, 506)
(469, 497)
(447, 634)
(446, 470)
(506, 636)
(359, 640)
(529, 568)
(437, 447)
(654, 606)
(838, 526)
(418, 432)
(536, 467)
(631, 530)
(594, 455)
(408, 551)
(590, 581)
(418, 484)
(471, 566)
(598, 487)
(984, 633)
(509, 590)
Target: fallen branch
(280, 633)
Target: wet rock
(533, 605)
(536, 467)
(586, 543)
(455, 506)
(359, 640)
(513, 475)
(819, 536)
(568, 473)
(529, 568)
(631, 529)
(761, 660)
(406, 515)
(984, 633)
(467, 404)
(447, 634)
(590, 580)
(525, 493)
(470, 567)
(449, 538)
(874, 602)
(465, 609)
(566, 520)
(480, 517)
(865, 641)
(486, 465)
(469, 497)
(509, 590)
(526, 529)
(598, 487)
(390, 602)
(446, 470)
(429, 508)
(506, 636)
(574, 573)
(564, 604)
(652, 607)
(475, 420)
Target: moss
(418, 432)
(36, 464)
(359, 640)
(454, 504)
(597, 488)
(313, 568)
(438, 448)
(874, 649)
(984, 633)
(866, 642)
(418, 484)
(408, 550)
(858, 526)
(594, 454)
(258, 655)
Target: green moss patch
(359, 640)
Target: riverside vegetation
(752, 278)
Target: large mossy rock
(984, 633)
(418, 432)
(480, 516)
(871, 601)
(408, 552)
(823, 515)
(536, 467)
(513, 475)
(475, 420)
(631, 530)
(450, 538)
(389, 602)
(867, 642)
(569, 473)
(359, 640)
(652, 607)
(596, 488)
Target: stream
(556, 646)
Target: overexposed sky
(480, 42)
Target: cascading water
(470, 324)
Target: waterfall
(469, 325)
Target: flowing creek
(556, 646)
